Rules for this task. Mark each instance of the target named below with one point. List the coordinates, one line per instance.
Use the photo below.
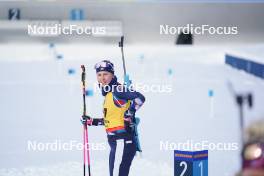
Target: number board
(14, 14)
(191, 163)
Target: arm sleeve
(98, 121)
(137, 99)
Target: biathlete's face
(104, 77)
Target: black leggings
(129, 152)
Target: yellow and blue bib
(114, 110)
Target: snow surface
(41, 102)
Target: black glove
(86, 120)
(91, 121)
(129, 120)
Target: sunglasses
(103, 64)
(253, 155)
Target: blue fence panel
(248, 66)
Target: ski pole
(126, 76)
(85, 131)
(128, 82)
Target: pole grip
(83, 73)
(121, 43)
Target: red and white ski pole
(86, 153)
